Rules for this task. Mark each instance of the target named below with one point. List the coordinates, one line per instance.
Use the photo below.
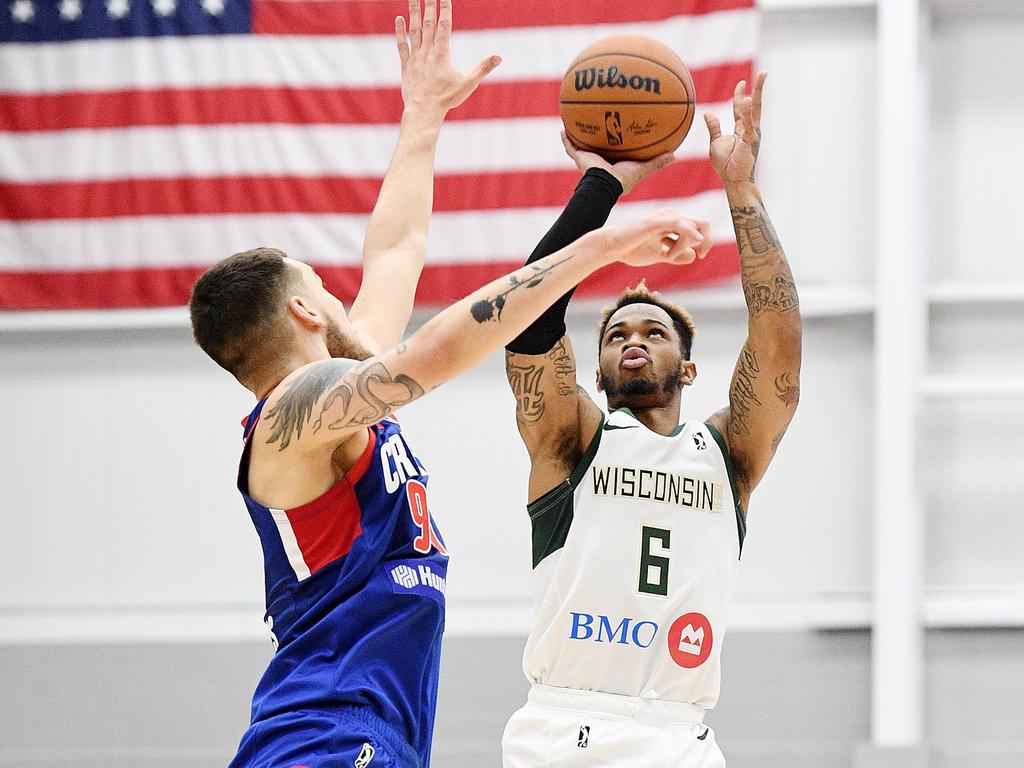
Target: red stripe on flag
(440, 284)
(319, 194)
(299, 106)
(377, 17)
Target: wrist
(423, 116)
(742, 192)
(607, 180)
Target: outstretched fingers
(444, 23)
(429, 21)
(483, 69)
(749, 133)
(758, 89)
(402, 39)
(738, 94)
(714, 126)
(415, 24)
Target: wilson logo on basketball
(690, 640)
(590, 77)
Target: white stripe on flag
(291, 544)
(349, 60)
(468, 146)
(329, 239)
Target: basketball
(627, 97)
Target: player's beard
(641, 388)
(340, 344)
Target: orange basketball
(627, 97)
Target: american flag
(143, 140)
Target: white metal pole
(900, 346)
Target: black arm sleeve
(588, 210)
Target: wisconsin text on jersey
(657, 485)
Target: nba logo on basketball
(365, 756)
(613, 128)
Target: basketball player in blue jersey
(355, 564)
(638, 518)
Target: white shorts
(565, 728)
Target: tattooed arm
(555, 416)
(765, 386)
(322, 404)
(396, 237)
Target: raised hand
(429, 78)
(734, 157)
(661, 236)
(628, 172)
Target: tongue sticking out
(634, 359)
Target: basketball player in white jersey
(638, 517)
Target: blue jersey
(355, 587)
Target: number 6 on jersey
(654, 568)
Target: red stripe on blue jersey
(358, 620)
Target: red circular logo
(690, 640)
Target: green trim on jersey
(551, 514)
(741, 518)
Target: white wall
(120, 516)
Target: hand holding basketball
(628, 172)
(661, 236)
(734, 157)
(429, 78)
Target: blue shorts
(344, 738)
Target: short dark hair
(237, 309)
(641, 294)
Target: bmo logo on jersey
(689, 638)
(600, 629)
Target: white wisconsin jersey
(635, 561)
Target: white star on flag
(23, 11)
(70, 9)
(165, 7)
(117, 9)
(214, 7)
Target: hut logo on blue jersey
(417, 577)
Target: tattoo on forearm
(779, 296)
(295, 408)
(564, 368)
(742, 397)
(767, 282)
(755, 231)
(525, 381)
(787, 391)
(367, 400)
(490, 309)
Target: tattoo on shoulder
(490, 309)
(369, 398)
(374, 394)
(786, 390)
(742, 397)
(295, 407)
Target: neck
(267, 382)
(662, 419)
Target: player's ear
(305, 313)
(597, 378)
(688, 373)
